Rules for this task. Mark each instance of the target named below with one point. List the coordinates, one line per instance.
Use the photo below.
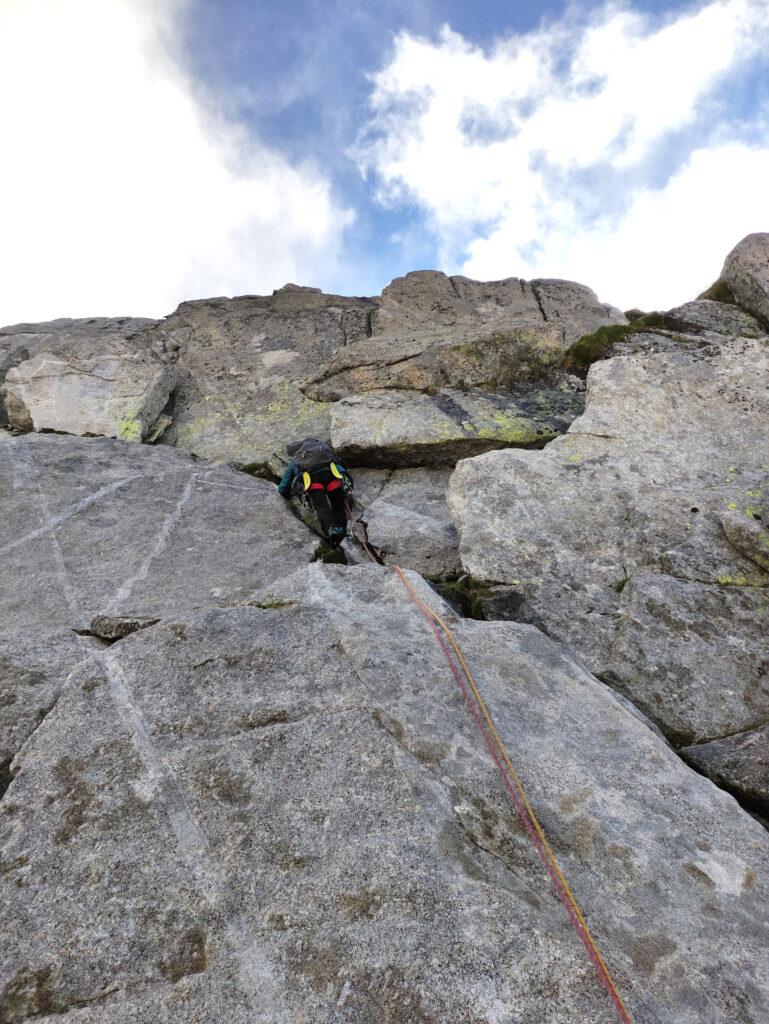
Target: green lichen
(738, 581)
(512, 429)
(129, 429)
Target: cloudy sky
(157, 150)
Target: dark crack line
(543, 893)
(537, 296)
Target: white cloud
(121, 190)
(594, 150)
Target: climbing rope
(496, 748)
(513, 785)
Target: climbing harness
(332, 485)
(512, 783)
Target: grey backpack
(310, 453)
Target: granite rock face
(407, 518)
(611, 537)
(746, 273)
(408, 428)
(239, 361)
(432, 332)
(703, 315)
(433, 360)
(428, 299)
(237, 784)
(739, 763)
(81, 376)
(95, 526)
(202, 829)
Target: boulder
(746, 274)
(207, 829)
(431, 331)
(433, 360)
(745, 529)
(99, 527)
(739, 763)
(239, 361)
(109, 390)
(715, 317)
(673, 437)
(407, 519)
(428, 299)
(406, 428)
(81, 376)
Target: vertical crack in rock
(538, 297)
(124, 592)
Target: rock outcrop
(588, 535)
(238, 784)
(82, 377)
(746, 275)
(407, 428)
(239, 362)
(203, 830)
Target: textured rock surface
(203, 829)
(433, 332)
(408, 519)
(404, 428)
(427, 299)
(739, 763)
(238, 362)
(746, 272)
(83, 386)
(434, 360)
(68, 338)
(673, 433)
(94, 526)
(717, 317)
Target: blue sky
(172, 149)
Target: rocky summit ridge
(237, 782)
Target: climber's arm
(284, 487)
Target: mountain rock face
(320, 837)
(239, 362)
(408, 428)
(672, 445)
(81, 377)
(746, 273)
(238, 784)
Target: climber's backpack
(311, 454)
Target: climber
(317, 477)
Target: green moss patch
(720, 291)
(464, 593)
(592, 347)
(325, 553)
